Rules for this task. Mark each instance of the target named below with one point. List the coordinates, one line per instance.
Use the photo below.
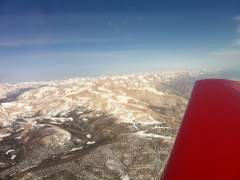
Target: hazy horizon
(46, 40)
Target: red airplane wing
(208, 142)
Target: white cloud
(227, 57)
(226, 52)
(45, 40)
(237, 18)
(232, 52)
(238, 42)
(231, 56)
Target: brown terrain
(106, 128)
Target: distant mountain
(116, 127)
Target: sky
(58, 39)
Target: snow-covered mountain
(113, 127)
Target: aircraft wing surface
(207, 146)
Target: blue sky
(56, 39)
